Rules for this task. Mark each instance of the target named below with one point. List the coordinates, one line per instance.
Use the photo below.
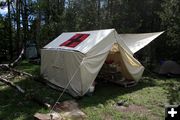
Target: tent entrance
(113, 69)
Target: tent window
(75, 40)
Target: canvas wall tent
(74, 59)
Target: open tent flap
(137, 41)
(91, 66)
(129, 67)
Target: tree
(3, 47)
(170, 21)
(18, 38)
(44, 20)
(10, 30)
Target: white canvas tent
(73, 59)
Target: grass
(152, 94)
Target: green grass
(28, 67)
(152, 94)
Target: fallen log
(19, 89)
(40, 102)
(35, 78)
(15, 62)
(12, 85)
(7, 67)
(28, 96)
(20, 72)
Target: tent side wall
(52, 65)
(61, 67)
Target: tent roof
(132, 42)
(93, 38)
(135, 42)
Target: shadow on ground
(172, 85)
(108, 91)
(13, 105)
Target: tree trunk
(10, 31)
(61, 4)
(18, 39)
(25, 23)
(98, 13)
(38, 27)
(47, 16)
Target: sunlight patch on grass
(152, 94)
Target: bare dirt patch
(132, 108)
(137, 109)
(107, 116)
(67, 110)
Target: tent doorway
(113, 69)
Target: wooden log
(20, 72)
(7, 67)
(29, 97)
(15, 62)
(40, 102)
(12, 85)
